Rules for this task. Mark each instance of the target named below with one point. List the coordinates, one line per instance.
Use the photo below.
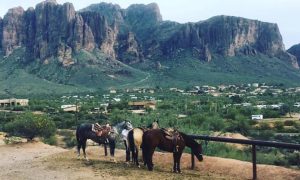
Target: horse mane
(190, 142)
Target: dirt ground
(36, 161)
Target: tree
(279, 125)
(29, 125)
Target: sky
(283, 12)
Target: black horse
(172, 142)
(85, 131)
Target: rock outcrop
(53, 30)
(13, 30)
(227, 36)
(130, 35)
(295, 50)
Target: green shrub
(29, 125)
(289, 123)
(50, 140)
(18, 108)
(70, 142)
(279, 125)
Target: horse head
(127, 125)
(155, 124)
(198, 152)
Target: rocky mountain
(130, 35)
(295, 50)
(106, 37)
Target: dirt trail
(35, 161)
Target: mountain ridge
(108, 45)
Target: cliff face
(228, 36)
(13, 30)
(295, 50)
(53, 30)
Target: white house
(257, 117)
(297, 104)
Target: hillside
(37, 160)
(53, 49)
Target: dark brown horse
(165, 141)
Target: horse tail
(138, 137)
(130, 140)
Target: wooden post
(254, 161)
(193, 160)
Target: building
(257, 117)
(70, 108)
(13, 102)
(142, 105)
(113, 91)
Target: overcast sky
(283, 12)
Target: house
(70, 108)
(13, 102)
(113, 91)
(151, 91)
(297, 104)
(117, 99)
(140, 111)
(142, 105)
(257, 117)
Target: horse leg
(112, 146)
(105, 149)
(79, 144)
(150, 163)
(137, 157)
(133, 154)
(127, 152)
(83, 149)
(144, 157)
(174, 162)
(178, 162)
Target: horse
(105, 136)
(153, 125)
(170, 141)
(93, 132)
(135, 140)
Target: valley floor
(40, 161)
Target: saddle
(102, 131)
(173, 135)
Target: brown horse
(135, 140)
(171, 142)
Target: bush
(289, 123)
(18, 108)
(279, 125)
(50, 140)
(240, 125)
(30, 126)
